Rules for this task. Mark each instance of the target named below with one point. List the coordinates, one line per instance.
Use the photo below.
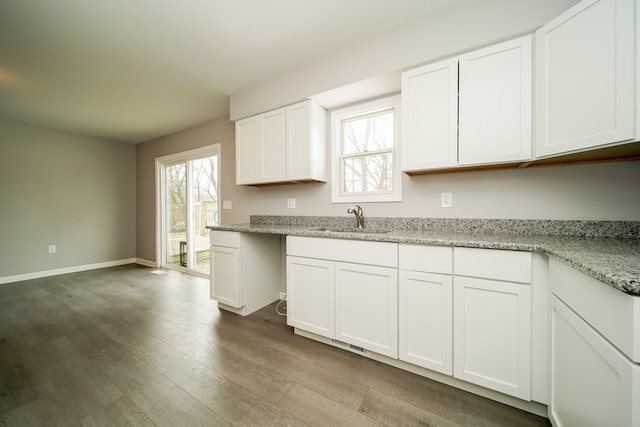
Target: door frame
(160, 162)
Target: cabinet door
(585, 77)
(430, 117)
(310, 295)
(274, 148)
(367, 307)
(425, 315)
(495, 104)
(492, 335)
(299, 143)
(248, 148)
(592, 383)
(225, 276)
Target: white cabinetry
(287, 144)
(261, 148)
(494, 116)
(495, 104)
(306, 142)
(492, 319)
(310, 295)
(367, 307)
(425, 307)
(344, 289)
(430, 117)
(245, 270)
(585, 62)
(595, 350)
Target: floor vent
(356, 348)
(349, 346)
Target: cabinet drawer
(230, 239)
(429, 259)
(512, 266)
(356, 251)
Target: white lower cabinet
(225, 282)
(245, 270)
(310, 295)
(592, 383)
(425, 307)
(492, 335)
(461, 312)
(354, 302)
(595, 352)
(366, 307)
(425, 320)
(492, 319)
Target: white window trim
(336, 181)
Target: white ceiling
(134, 70)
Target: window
(187, 202)
(364, 146)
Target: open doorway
(187, 192)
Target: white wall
(74, 191)
(463, 28)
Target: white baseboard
(146, 262)
(66, 270)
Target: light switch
(226, 204)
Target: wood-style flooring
(122, 346)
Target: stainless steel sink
(349, 230)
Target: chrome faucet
(357, 211)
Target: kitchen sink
(349, 230)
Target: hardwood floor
(121, 346)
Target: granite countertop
(613, 260)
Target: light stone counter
(608, 251)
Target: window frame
(337, 166)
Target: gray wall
(217, 131)
(74, 191)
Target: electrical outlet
(226, 204)
(446, 200)
(291, 203)
(52, 249)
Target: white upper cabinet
(248, 147)
(274, 147)
(306, 142)
(471, 110)
(430, 117)
(287, 144)
(495, 104)
(585, 72)
(261, 148)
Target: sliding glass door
(188, 203)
